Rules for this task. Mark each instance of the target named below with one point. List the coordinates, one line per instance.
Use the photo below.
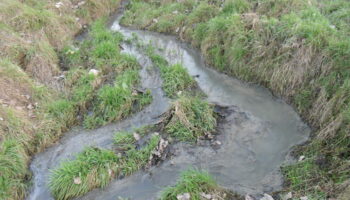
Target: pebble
(248, 197)
(288, 196)
(301, 158)
(30, 107)
(77, 180)
(1, 119)
(136, 136)
(95, 72)
(185, 196)
(206, 196)
(267, 197)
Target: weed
(193, 182)
(191, 119)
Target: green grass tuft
(193, 182)
(191, 119)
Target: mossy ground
(299, 49)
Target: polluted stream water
(253, 141)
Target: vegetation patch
(196, 185)
(190, 119)
(95, 168)
(175, 77)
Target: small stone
(177, 29)
(77, 180)
(217, 142)
(136, 136)
(95, 72)
(58, 4)
(175, 12)
(301, 158)
(172, 162)
(30, 107)
(288, 196)
(248, 197)
(185, 196)
(304, 198)
(155, 20)
(206, 196)
(1, 119)
(267, 197)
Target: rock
(58, 4)
(301, 158)
(95, 72)
(217, 142)
(155, 20)
(30, 107)
(288, 196)
(77, 180)
(1, 119)
(267, 197)
(304, 198)
(185, 196)
(136, 136)
(81, 3)
(175, 12)
(177, 29)
(206, 196)
(248, 197)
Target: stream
(256, 136)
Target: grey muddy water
(255, 136)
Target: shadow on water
(255, 136)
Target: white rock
(58, 4)
(95, 72)
(175, 12)
(1, 119)
(301, 158)
(30, 107)
(136, 136)
(248, 197)
(155, 20)
(77, 180)
(185, 196)
(217, 142)
(267, 197)
(288, 196)
(206, 196)
(304, 198)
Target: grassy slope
(32, 115)
(299, 49)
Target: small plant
(175, 78)
(194, 183)
(191, 119)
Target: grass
(195, 183)
(191, 118)
(299, 49)
(175, 77)
(94, 168)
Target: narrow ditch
(253, 138)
